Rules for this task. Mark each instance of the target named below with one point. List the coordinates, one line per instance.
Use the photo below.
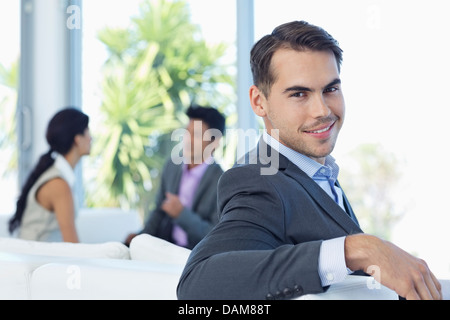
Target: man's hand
(407, 275)
(129, 238)
(172, 205)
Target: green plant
(155, 70)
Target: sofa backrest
(110, 250)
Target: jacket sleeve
(247, 254)
(195, 226)
(156, 215)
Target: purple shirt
(189, 182)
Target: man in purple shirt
(186, 203)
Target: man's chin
(319, 153)
(195, 160)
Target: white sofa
(149, 269)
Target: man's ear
(257, 101)
(215, 142)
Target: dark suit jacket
(267, 242)
(196, 221)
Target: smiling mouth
(321, 130)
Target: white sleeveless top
(38, 223)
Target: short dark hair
(211, 116)
(296, 35)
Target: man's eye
(331, 89)
(298, 94)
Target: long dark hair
(60, 135)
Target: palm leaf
(156, 68)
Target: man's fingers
(423, 290)
(428, 287)
(436, 285)
(412, 295)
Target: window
(9, 63)
(113, 39)
(394, 80)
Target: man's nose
(319, 107)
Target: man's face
(195, 141)
(305, 102)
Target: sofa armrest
(354, 288)
(15, 273)
(445, 289)
(100, 279)
(364, 288)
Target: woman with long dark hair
(46, 208)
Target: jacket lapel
(175, 179)
(314, 190)
(323, 199)
(347, 205)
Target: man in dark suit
(187, 198)
(286, 227)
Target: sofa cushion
(103, 279)
(149, 248)
(112, 250)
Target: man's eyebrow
(296, 88)
(334, 82)
(301, 88)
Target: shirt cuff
(332, 267)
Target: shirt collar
(66, 170)
(312, 168)
(200, 169)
